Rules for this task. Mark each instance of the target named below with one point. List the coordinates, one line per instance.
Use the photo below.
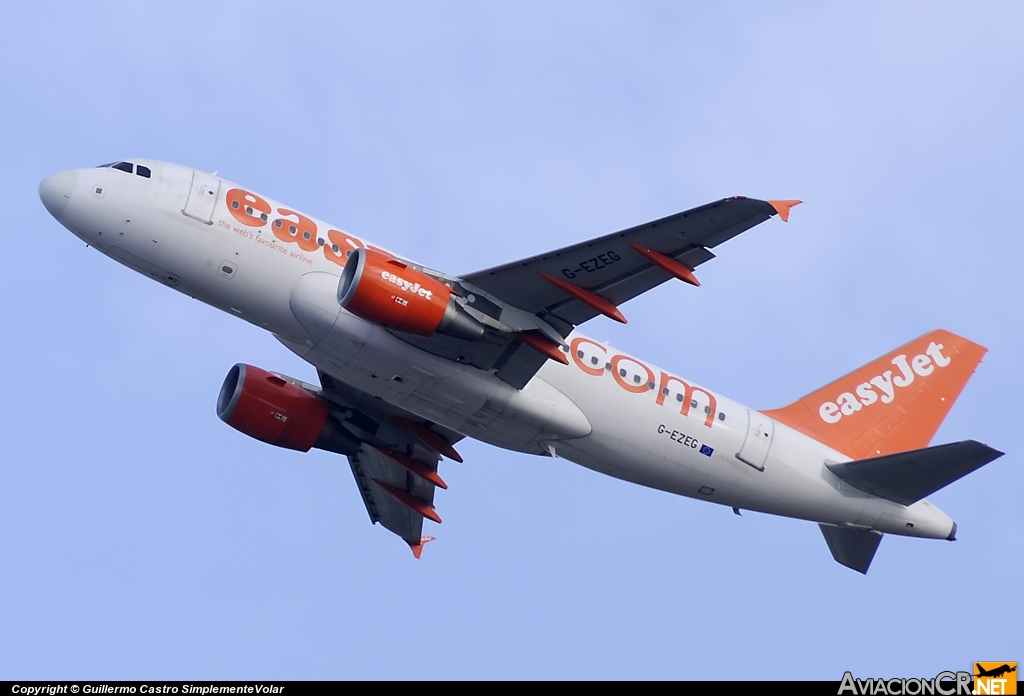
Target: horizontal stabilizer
(853, 548)
(907, 477)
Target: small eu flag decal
(706, 451)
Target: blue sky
(142, 538)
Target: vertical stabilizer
(893, 404)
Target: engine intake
(386, 291)
(273, 410)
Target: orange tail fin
(893, 404)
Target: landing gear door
(202, 197)
(760, 431)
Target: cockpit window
(140, 170)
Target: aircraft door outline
(202, 197)
(758, 441)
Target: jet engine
(386, 291)
(273, 410)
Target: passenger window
(143, 171)
(124, 166)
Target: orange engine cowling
(381, 289)
(273, 410)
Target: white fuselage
(605, 410)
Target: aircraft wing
(396, 464)
(541, 299)
(381, 481)
(613, 267)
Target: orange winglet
(782, 208)
(417, 549)
(669, 265)
(420, 507)
(414, 465)
(592, 300)
(542, 344)
(429, 438)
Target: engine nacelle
(386, 291)
(273, 410)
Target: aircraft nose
(55, 191)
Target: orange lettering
(340, 247)
(302, 230)
(635, 388)
(688, 393)
(574, 350)
(248, 208)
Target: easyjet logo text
(636, 377)
(406, 285)
(882, 388)
(289, 226)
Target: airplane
(411, 360)
(995, 671)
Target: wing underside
(567, 287)
(556, 291)
(612, 266)
(371, 469)
(396, 464)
